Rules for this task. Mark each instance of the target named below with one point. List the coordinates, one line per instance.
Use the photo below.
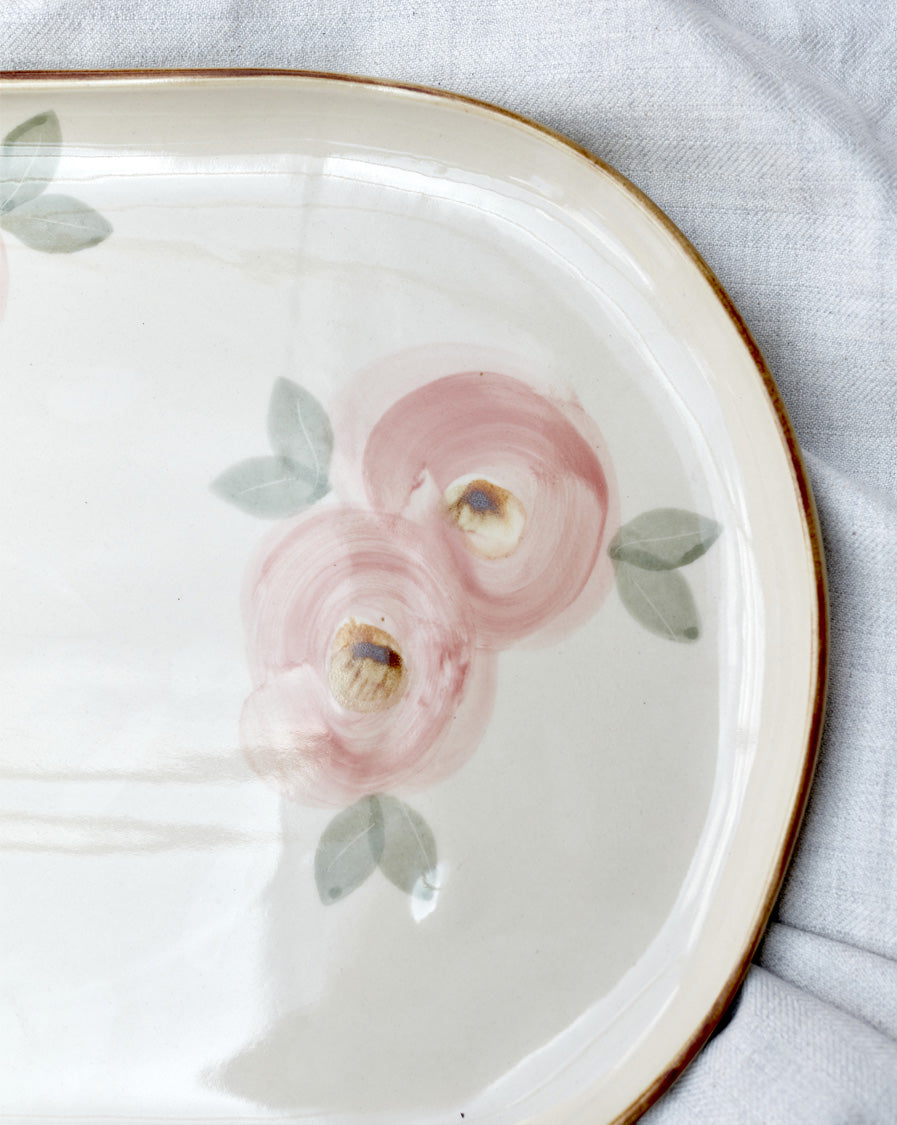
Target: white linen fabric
(766, 130)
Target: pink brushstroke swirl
(313, 575)
(545, 452)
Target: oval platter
(413, 613)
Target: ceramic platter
(412, 614)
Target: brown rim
(786, 430)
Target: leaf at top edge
(299, 429)
(348, 850)
(661, 600)
(28, 159)
(409, 850)
(56, 224)
(664, 539)
(269, 487)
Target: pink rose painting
(522, 500)
(363, 649)
(485, 517)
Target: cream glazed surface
(414, 632)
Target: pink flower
(522, 500)
(362, 650)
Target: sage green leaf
(28, 159)
(664, 539)
(268, 487)
(348, 850)
(409, 850)
(661, 600)
(299, 429)
(56, 224)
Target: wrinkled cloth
(766, 130)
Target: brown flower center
(366, 671)
(490, 518)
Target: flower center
(490, 518)
(366, 671)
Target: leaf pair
(648, 552)
(53, 223)
(376, 831)
(301, 436)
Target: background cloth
(766, 130)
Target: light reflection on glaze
(4, 279)
(318, 573)
(544, 453)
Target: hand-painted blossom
(362, 650)
(515, 481)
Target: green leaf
(269, 487)
(349, 849)
(664, 539)
(299, 429)
(56, 224)
(661, 600)
(28, 159)
(409, 850)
